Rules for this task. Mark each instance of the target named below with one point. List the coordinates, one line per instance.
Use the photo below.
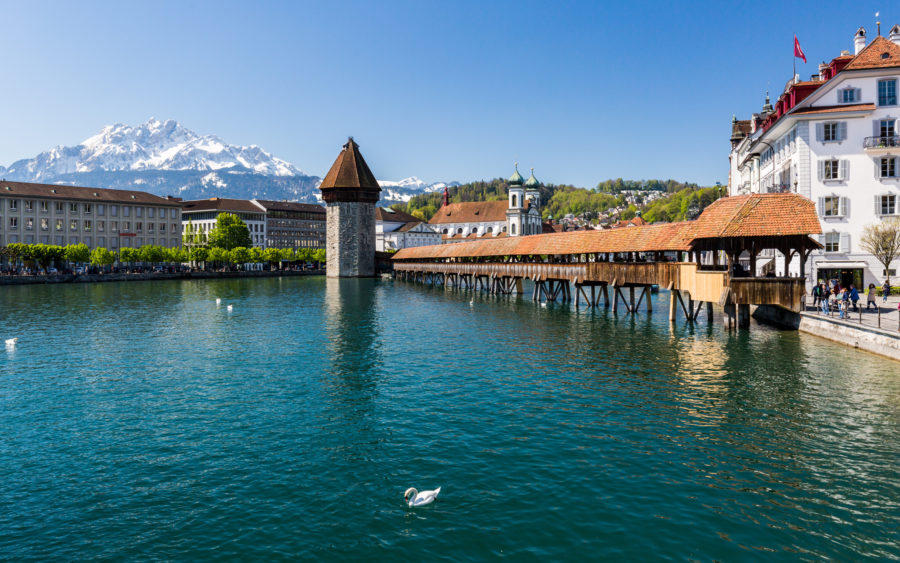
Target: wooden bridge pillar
(673, 296)
(709, 311)
(743, 315)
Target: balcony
(777, 189)
(881, 145)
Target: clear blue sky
(581, 91)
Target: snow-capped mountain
(409, 187)
(165, 158)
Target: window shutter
(876, 129)
(877, 205)
(821, 170)
(845, 169)
(845, 207)
(842, 131)
(857, 94)
(845, 242)
(878, 168)
(821, 206)
(820, 132)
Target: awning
(840, 265)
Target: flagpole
(794, 58)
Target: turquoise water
(141, 421)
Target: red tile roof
(834, 109)
(471, 212)
(741, 216)
(880, 53)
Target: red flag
(798, 52)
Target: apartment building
(53, 214)
(834, 139)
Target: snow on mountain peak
(154, 145)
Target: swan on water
(230, 308)
(11, 342)
(218, 301)
(414, 498)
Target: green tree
(217, 255)
(128, 255)
(287, 254)
(77, 253)
(102, 257)
(319, 255)
(239, 255)
(257, 254)
(198, 254)
(230, 232)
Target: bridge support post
(615, 300)
(729, 315)
(673, 295)
(743, 315)
(709, 311)
(631, 307)
(605, 289)
(647, 296)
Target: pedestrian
(885, 291)
(824, 300)
(854, 297)
(844, 302)
(816, 295)
(870, 297)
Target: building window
(150, 213)
(138, 211)
(29, 205)
(44, 207)
(101, 210)
(113, 210)
(887, 92)
(886, 128)
(848, 96)
(834, 206)
(832, 242)
(59, 224)
(73, 208)
(13, 204)
(139, 227)
(13, 223)
(73, 225)
(162, 214)
(29, 223)
(162, 227)
(888, 204)
(59, 207)
(830, 169)
(126, 212)
(830, 132)
(888, 167)
(88, 208)
(113, 226)
(101, 226)
(87, 225)
(512, 229)
(891, 272)
(45, 224)
(126, 226)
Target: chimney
(859, 40)
(895, 34)
(823, 70)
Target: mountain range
(165, 158)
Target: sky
(581, 91)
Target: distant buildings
(395, 230)
(97, 217)
(834, 139)
(520, 215)
(272, 224)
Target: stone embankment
(95, 278)
(860, 330)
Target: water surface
(141, 421)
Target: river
(142, 421)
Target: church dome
(532, 182)
(516, 179)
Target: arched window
(445, 231)
(513, 228)
(490, 230)
(504, 228)
(514, 201)
(459, 231)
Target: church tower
(350, 192)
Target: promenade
(886, 317)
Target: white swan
(218, 301)
(230, 308)
(11, 342)
(414, 498)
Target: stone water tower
(350, 192)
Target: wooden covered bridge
(696, 260)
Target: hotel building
(293, 225)
(834, 139)
(61, 215)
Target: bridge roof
(755, 215)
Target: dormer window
(849, 96)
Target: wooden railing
(784, 292)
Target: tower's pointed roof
(350, 178)
(350, 170)
(532, 182)
(516, 179)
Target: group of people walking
(829, 295)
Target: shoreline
(150, 276)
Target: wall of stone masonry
(350, 239)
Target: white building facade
(395, 230)
(199, 218)
(834, 139)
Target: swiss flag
(798, 52)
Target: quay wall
(98, 278)
(868, 338)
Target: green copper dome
(532, 182)
(516, 179)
